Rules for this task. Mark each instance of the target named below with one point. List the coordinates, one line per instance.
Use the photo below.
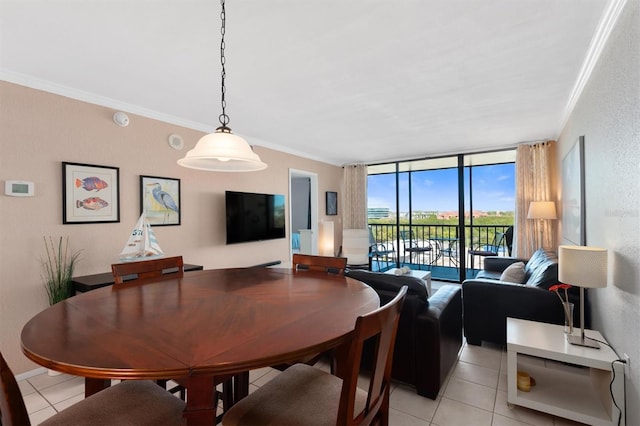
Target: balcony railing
(444, 242)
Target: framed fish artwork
(160, 200)
(90, 193)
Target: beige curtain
(354, 197)
(535, 181)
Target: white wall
(608, 115)
(39, 130)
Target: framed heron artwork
(160, 200)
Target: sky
(437, 190)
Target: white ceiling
(334, 80)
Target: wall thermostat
(18, 188)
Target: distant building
(447, 215)
(378, 212)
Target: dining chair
(169, 268)
(161, 268)
(306, 395)
(138, 402)
(332, 265)
(152, 269)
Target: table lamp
(582, 266)
(542, 210)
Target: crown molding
(605, 27)
(69, 92)
(92, 98)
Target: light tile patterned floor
(474, 394)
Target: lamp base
(582, 341)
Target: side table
(91, 282)
(425, 275)
(571, 381)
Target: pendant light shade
(224, 152)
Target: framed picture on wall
(573, 195)
(160, 200)
(90, 193)
(332, 203)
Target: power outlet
(627, 365)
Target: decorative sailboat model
(142, 243)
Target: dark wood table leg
(241, 386)
(92, 386)
(201, 408)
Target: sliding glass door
(414, 210)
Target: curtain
(535, 181)
(354, 197)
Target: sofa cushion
(514, 273)
(542, 269)
(392, 283)
(488, 275)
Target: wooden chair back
(332, 265)
(12, 408)
(163, 268)
(381, 325)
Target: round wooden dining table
(207, 324)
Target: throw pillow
(514, 273)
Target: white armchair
(355, 247)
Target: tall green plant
(58, 269)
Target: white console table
(571, 381)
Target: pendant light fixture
(222, 151)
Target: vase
(568, 317)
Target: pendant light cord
(224, 118)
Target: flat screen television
(254, 217)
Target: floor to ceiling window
(414, 212)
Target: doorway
(303, 212)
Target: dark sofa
(488, 301)
(429, 333)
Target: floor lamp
(542, 210)
(582, 266)
(327, 247)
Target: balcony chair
(493, 248)
(138, 402)
(306, 395)
(332, 265)
(379, 250)
(412, 246)
(355, 247)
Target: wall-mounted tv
(254, 217)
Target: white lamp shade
(582, 266)
(542, 210)
(222, 151)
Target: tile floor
(475, 394)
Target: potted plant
(58, 269)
